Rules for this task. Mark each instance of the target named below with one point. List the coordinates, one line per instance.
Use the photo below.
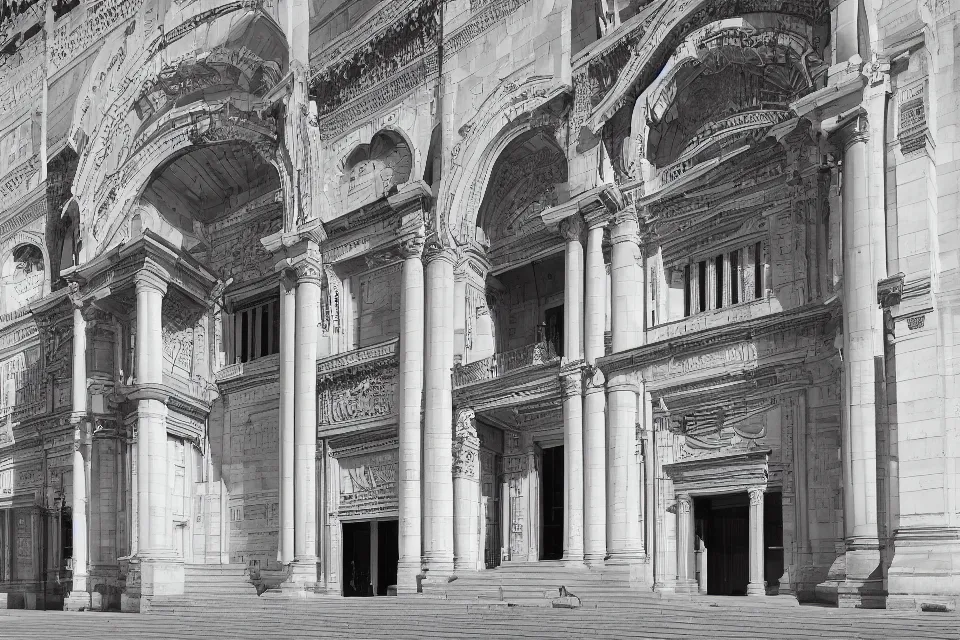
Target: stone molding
(853, 131)
(721, 473)
(146, 281)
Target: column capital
(756, 495)
(433, 251)
(853, 131)
(624, 226)
(308, 271)
(684, 503)
(149, 281)
(571, 228)
(76, 298)
(571, 383)
(411, 246)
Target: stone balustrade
(502, 363)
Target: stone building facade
(359, 297)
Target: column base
(863, 586)
(78, 601)
(438, 567)
(160, 576)
(303, 575)
(594, 559)
(925, 572)
(686, 586)
(626, 556)
(572, 559)
(756, 589)
(129, 604)
(409, 575)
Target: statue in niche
(373, 170)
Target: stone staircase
(538, 584)
(308, 615)
(224, 579)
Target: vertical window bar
(757, 272)
(718, 279)
(702, 286)
(735, 280)
(686, 291)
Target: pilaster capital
(571, 228)
(684, 504)
(756, 495)
(594, 380)
(149, 281)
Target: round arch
(500, 119)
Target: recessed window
(256, 330)
(729, 278)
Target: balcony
(501, 364)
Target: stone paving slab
(362, 619)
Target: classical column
(624, 537)
(627, 283)
(438, 415)
(305, 421)
(756, 587)
(466, 492)
(288, 350)
(79, 598)
(863, 236)
(411, 404)
(625, 473)
(686, 579)
(161, 572)
(571, 392)
(594, 401)
(571, 229)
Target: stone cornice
(720, 473)
(358, 361)
(806, 315)
(538, 382)
(116, 269)
(596, 206)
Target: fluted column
(756, 586)
(288, 350)
(411, 404)
(863, 238)
(624, 538)
(466, 493)
(594, 404)
(571, 229)
(305, 421)
(686, 578)
(438, 414)
(79, 597)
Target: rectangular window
(257, 331)
(706, 281)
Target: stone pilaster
(466, 493)
(438, 414)
(863, 238)
(409, 566)
(571, 392)
(305, 421)
(288, 350)
(756, 586)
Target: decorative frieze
(368, 480)
(484, 15)
(358, 386)
(890, 291)
(81, 29)
(912, 117)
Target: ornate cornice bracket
(890, 291)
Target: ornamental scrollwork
(466, 445)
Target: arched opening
(22, 276)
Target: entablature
(720, 473)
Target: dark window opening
(734, 278)
(702, 266)
(257, 331)
(757, 272)
(686, 291)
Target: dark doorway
(554, 320)
(490, 470)
(356, 559)
(388, 554)
(724, 526)
(773, 541)
(551, 500)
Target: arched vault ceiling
(521, 185)
(198, 185)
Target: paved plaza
(420, 618)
